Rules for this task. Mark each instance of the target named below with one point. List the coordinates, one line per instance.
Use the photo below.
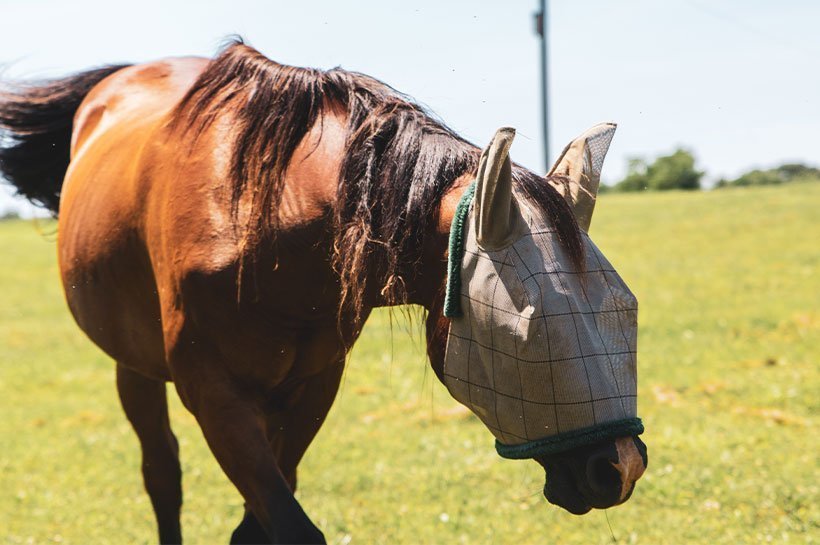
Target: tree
(753, 177)
(788, 172)
(636, 176)
(9, 214)
(797, 171)
(675, 171)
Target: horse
(228, 224)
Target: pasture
(729, 383)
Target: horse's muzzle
(600, 475)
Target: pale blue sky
(735, 81)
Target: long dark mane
(399, 162)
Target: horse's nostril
(602, 477)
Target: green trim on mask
(571, 439)
(452, 298)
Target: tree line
(678, 171)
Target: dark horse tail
(35, 133)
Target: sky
(735, 82)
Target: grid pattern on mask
(542, 349)
(597, 145)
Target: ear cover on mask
(497, 219)
(576, 175)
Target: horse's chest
(277, 328)
(268, 355)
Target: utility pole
(541, 26)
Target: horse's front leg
(290, 432)
(235, 428)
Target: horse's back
(105, 263)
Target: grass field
(729, 285)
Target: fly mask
(543, 354)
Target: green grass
(729, 285)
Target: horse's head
(542, 344)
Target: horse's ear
(579, 167)
(495, 208)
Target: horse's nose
(599, 475)
(611, 474)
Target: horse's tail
(35, 133)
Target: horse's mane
(399, 163)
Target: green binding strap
(452, 298)
(571, 439)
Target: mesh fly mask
(545, 358)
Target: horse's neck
(427, 287)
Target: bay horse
(228, 224)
